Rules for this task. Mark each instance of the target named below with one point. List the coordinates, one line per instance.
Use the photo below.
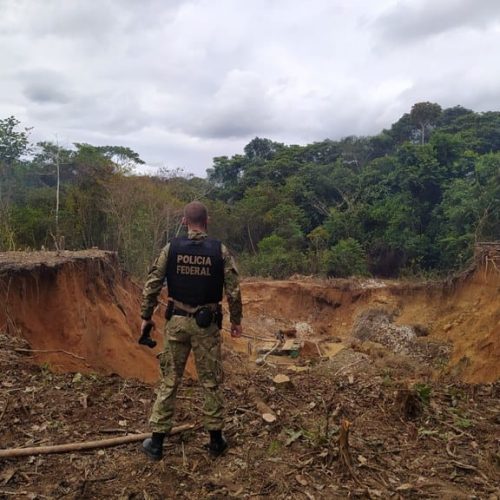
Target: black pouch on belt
(204, 317)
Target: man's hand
(236, 331)
(146, 326)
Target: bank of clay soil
(78, 310)
(423, 419)
(463, 312)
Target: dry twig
(4, 408)
(344, 451)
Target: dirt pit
(391, 359)
(455, 325)
(80, 312)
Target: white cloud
(182, 81)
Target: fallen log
(85, 445)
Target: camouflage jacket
(158, 271)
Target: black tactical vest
(195, 271)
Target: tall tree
(13, 145)
(425, 114)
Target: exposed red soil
(78, 302)
(82, 303)
(464, 312)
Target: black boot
(217, 445)
(153, 446)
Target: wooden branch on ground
(251, 337)
(85, 445)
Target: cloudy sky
(182, 81)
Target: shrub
(274, 259)
(346, 258)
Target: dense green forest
(411, 200)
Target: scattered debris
(282, 380)
(265, 411)
(290, 332)
(290, 347)
(376, 325)
(273, 434)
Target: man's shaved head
(196, 214)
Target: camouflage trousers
(181, 335)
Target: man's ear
(184, 221)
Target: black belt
(181, 312)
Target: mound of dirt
(376, 325)
(78, 311)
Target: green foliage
(411, 200)
(346, 258)
(274, 448)
(288, 221)
(13, 143)
(424, 115)
(274, 259)
(7, 232)
(424, 392)
(462, 422)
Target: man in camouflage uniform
(197, 269)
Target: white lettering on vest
(193, 270)
(197, 260)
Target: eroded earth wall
(80, 312)
(77, 302)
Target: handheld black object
(145, 338)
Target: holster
(169, 311)
(219, 316)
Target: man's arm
(154, 284)
(233, 292)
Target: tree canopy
(413, 198)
